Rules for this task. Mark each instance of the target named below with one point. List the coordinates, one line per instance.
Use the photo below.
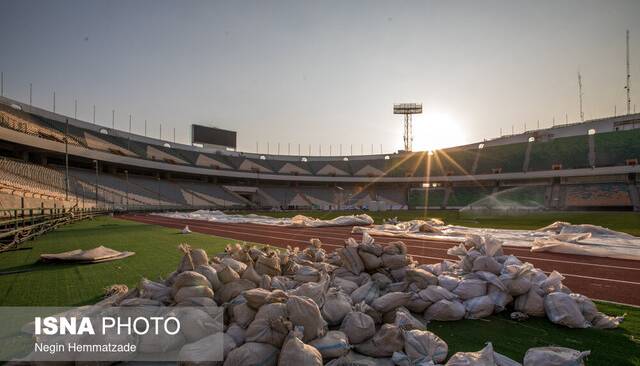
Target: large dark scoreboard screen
(213, 136)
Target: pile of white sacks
(366, 304)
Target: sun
(436, 130)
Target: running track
(609, 279)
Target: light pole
(126, 176)
(66, 159)
(96, 163)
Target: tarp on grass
(95, 255)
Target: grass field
(156, 256)
(628, 222)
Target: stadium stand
(530, 196)
(463, 196)
(541, 172)
(421, 197)
(616, 148)
(501, 158)
(453, 162)
(566, 153)
(598, 195)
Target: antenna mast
(628, 87)
(580, 96)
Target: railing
(23, 224)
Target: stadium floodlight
(407, 109)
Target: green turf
(156, 255)
(66, 285)
(628, 222)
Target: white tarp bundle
(559, 237)
(296, 221)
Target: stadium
(521, 249)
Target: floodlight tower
(408, 110)
(628, 86)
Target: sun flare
(436, 130)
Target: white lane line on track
(218, 227)
(414, 255)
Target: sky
(322, 73)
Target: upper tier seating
(505, 158)
(453, 162)
(615, 148)
(568, 152)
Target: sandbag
(395, 261)
(517, 278)
(252, 275)
(422, 344)
(500, 298)
(436, 293)
(356, 359)
(154, 290)
(282, 283)
(588, 309)
(232, 289)
(487, 264)
(394, 248)
(211, 275)
(406, 321)
(417, 304)
(332, 345)
(381, 280)
(345, 285)
(336, 306)
(190, 278)
(268, 264)
(478, 307)
(304, 312)
(563, 309)
(390, 301)
(294, 352)
(228, 275)
(253, 354)
(196, 324)
(192, 291)
(445, 310)
(531, 303)
(243, 315)
(350, 259)
(554, 356)
(206, 351)
(192, 258)
(314, 290)
(484, 357)
(270, 325)
(386, 341)
(448, 282)
(370, 261)
(470, 288)
(237, 333)
(358, 327)
(367, 293)
(256, 297)
(307, 274)
(237, 266)
(421, 278)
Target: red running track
(616, 280)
